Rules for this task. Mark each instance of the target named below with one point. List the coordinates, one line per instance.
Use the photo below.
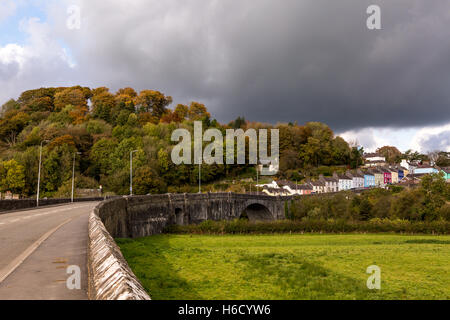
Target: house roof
(371, 155)
(329, 179)
(378, 161)
(355, 174)
(317, 183)
(343, 177)
(292, 185)
(424, 166)
(276, 190)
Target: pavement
(36, 249)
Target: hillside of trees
(104, 127)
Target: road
(37, 246)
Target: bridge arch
(181, 217)
(256, 212)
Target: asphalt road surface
(37, 247)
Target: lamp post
(258, 167)
(200, 176)
(73, 174)
(131, 171)
(39, 173)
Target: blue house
(369, 180)
(401, 174)
(425, 170)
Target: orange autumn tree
(153, 102)
(75, 97)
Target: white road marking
(6, 271)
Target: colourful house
(379, 177)
(401, 173)
(387, 175)
(394, 175)
(446, 172)
(369, 180)
(305, 189)
(425, 170)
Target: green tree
(11, 126)
(163, 160)
(145, 181)
(102, 105)
(101, 154)
(356, 157)
(12, 177)
(435, 191)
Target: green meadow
(291, 267)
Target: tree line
(105, 126)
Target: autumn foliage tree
(153, 102)
(392, 154)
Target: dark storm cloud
(270, 61)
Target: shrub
(313, 226)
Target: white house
(344, 182)
(372, 157)
(317, 186)
(357, 178)
(331, 184)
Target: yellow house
(379, 178)
(394, 174)
(405, 172)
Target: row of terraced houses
(374, 174)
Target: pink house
(387, 176)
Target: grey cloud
(267, 60)
(440, 141)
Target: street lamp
(200, 176)
(258, 168)
(131, 171)
(39, 173)
(73, 173)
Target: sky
(266, 60)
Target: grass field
(287, 266)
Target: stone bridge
(110, 277)
(147, 215)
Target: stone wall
(110, 277)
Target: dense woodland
(104, 127)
